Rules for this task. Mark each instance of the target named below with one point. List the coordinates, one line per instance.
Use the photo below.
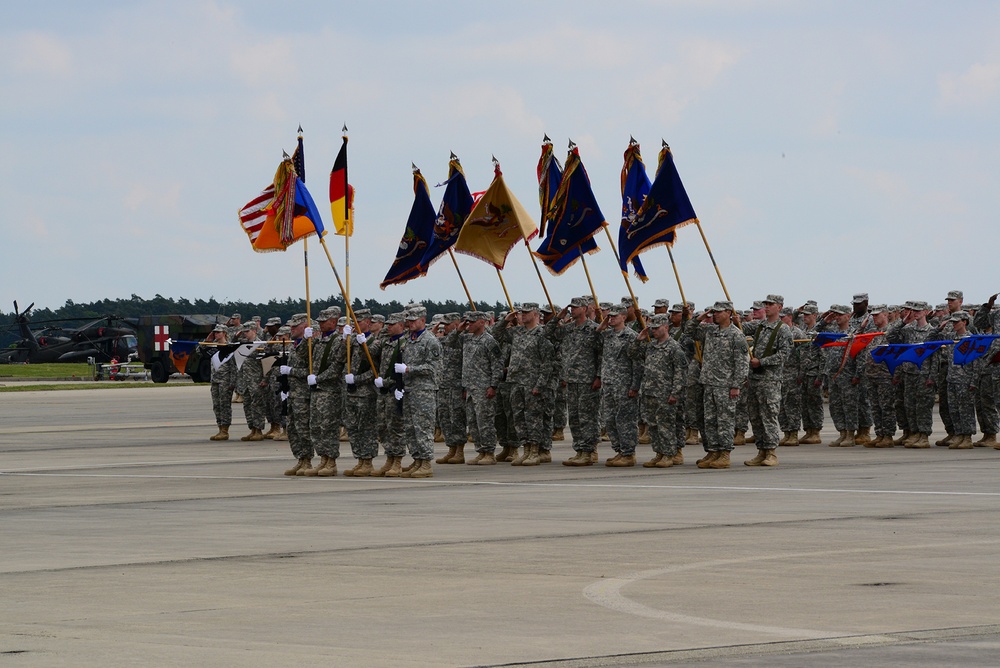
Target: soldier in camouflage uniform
(988, 383)
(389, 409)
(812, 370)
(529, 371)
(843, 379)
(742, 423)
(790, 414)
(919, 386)
(506, 436)
(946, 330)
(860, 323)
(621, 376)
(881, 391)
(275, 381)
(326, 401)
(420, 370)
(223, 384)
(664, 367)
(693, 401)
(450, 400)
(959, 379)
(772, 344)
(581, 362)
(272, 402)
(359, 406)
(249, 383)
(481, 373)
(724, 370)
(297, 371)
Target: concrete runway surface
(131, 539)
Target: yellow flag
(497, 222)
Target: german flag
(341, 195)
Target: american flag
(253, 214)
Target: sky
(827, 147)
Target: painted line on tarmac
(607, 592)
(91, 467)
(13, 431)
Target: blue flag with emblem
(825, 338)
(570, 212)
(971, 348)
(416, 237)
(655, 220)
(895, 354)
(635, 187)
(455, 207)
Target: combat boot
(282, 435)
(507, 454)
(329, 469)
(223, 434)
(692, 437)
(902, 439)
(919, 442)
(863, 436)
(604, 435)
(303, 463)
(784, 438)
(272, 432)
(986, 441)
(720, 462)
(443, 459)
(458, 457)
(594, 457)
(947, 440)
(911, 439)
(314, 470)
(256, 435)
(751, 439)
(812, 437)
(657, 458)
(247, 437)
(365, 470)
(559, 434)
(622, 460)
(579, 459)
(887, 442)
(380, 472)
(353, 471)
(519, 460)
(758, 460)
(396, 470)
(644, 437)
(770, 458)
(666, 462)
(678, 459)
(438, 436)
(532, 458)
(875, 443)
(839, 441)
(423, 471)
(617, 456)
(484, 459)
(961, 442)
(478, 459)
(709, 457)
(740, 438)
(343, 435)
(545, 456)
(848, 441)
(793, 438)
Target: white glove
(399, 395)
(379, 383)
(311, 379)
(400, 368)
(284, 369)
(347, 331)
(307, 332)
(361, 338)
(349, 378)
(283, 395)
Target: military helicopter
(103, 339)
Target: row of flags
(967, 349)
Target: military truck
(168, 345)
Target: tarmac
(129, 538)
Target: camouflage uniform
(621, 373)
(811, 369)
(249, 383)
(359, 408)
(422, 357)
(724, 367)
(988, 385)
(772, 344)
(450, 403)
(299, 396)
(881, 391)
(845, 389)
(223, 386)
(389, 410)
(326, 403)
(790, 413)
(664, 367)
(506, 436)
(581, 360)
(530, 371)
(481, 370)
(919, 388)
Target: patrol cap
(787, 310)
(363, 313)
(437, 317)
(773, 299)
(620, 309)
(959, 315)
(893, 308)
(908, 304)
(659, 320)
(271, 322)
(941, 307)
(860, 297)
(256, 319)
(415, 313)
(235, 316)
(626, 300)
(810, 308)
(378, 317)
(756, 305)
(545, 308)
(491, 314)
(840, 309)
(297, 319)
(527, 307)
(589, 299)
(578, 302)
(328, 313)
(661, 303)
(921, 306)
(677, 308)
(690, 305)
(877, 308)
(721, 305)
(449, 318)
(341, 321)
(395, 318)
(605, 305)
(467, 315)
(955, 294)
(478, 315)
(219, 328)
(284, 330)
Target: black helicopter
(103, 339)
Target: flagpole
(628, 284)
(678, 277)
(305, 262)
(538, 271)
(466, 287)
(350, 311)
(505, 293)
(712, 257)
(593, 292)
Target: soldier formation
(666, 379)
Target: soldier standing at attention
(621, 376)
(581, 346)
(664, 368)
(790, 415)
(811, 372)
(881, 391)
(326, 402)
(724, 370)
(359, 407)
(919, 386)
(297, 371)
(481, 372)
(959, 380)
(451, 404)
(249, 381)
(389, 409)
(223, 384)
(272, 404)
(420, 371)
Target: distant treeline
(72, 314)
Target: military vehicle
(168, 344)
(103, 339)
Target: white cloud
(975, 87)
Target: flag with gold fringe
(573, 215)
(456, 204)
(416, 237)
(496, 223)
(282, 214)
